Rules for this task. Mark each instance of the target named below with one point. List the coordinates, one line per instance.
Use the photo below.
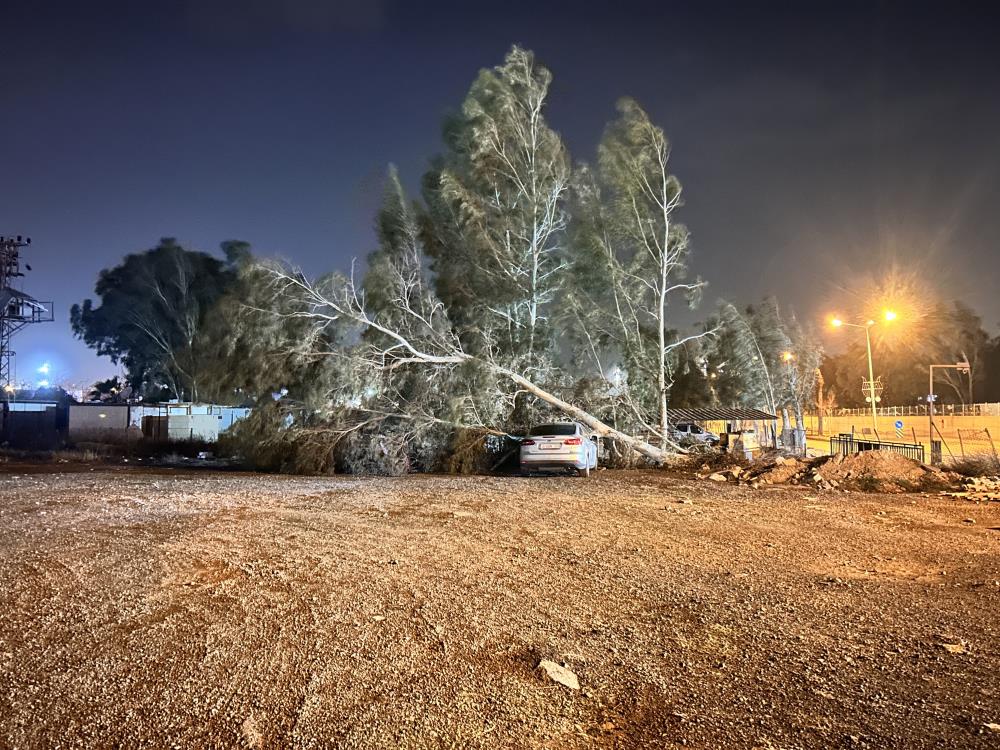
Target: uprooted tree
(461, 317)
(522, 286)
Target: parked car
(692, 433)
(561, 446)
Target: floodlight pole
(871, 368)
(871, 377)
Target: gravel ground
(148, 609)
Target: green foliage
(256, 344)
(153, 307)
(747, 361)
(104, 390)
(629, 259)
(495, 215)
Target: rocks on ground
(559, 673)
(868, 471)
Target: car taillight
(572, 441)
(527, 442)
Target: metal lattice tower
(17, 309)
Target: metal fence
(847, 444)
(978, 445)
(920, 410)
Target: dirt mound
(869, 471)
(882, 471)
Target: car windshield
(552, 429)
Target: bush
(975, 466)
(476, 451)
(271, 439)
(266, 441)
(618, 455)
(867, 482)
(370, 452)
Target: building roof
(716, 413)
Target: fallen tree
(421, 336)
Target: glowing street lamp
(837, 322)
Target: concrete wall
(98, 421)
(182, 427)
(887, 429)
(193, 427)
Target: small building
(166, 427)
(185, 421)
(742, 429)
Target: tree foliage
(496, 214)
(152, 309)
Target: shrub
(867, 482)
(975, 466)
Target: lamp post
(837, 322)
(962, 367)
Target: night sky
(816, 144)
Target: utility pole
(17, 309)
(962, 367)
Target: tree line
(522, 285)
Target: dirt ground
(144, 609)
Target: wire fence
(978, 446)
(918, 410)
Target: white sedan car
(559, 446)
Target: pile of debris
(869, 471)
(978, 489)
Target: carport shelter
(725, 419)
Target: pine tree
(496, 214)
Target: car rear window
(552, 429)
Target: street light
(837, 322)
(962, 367)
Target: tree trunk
(659, 455)
(661, 325)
